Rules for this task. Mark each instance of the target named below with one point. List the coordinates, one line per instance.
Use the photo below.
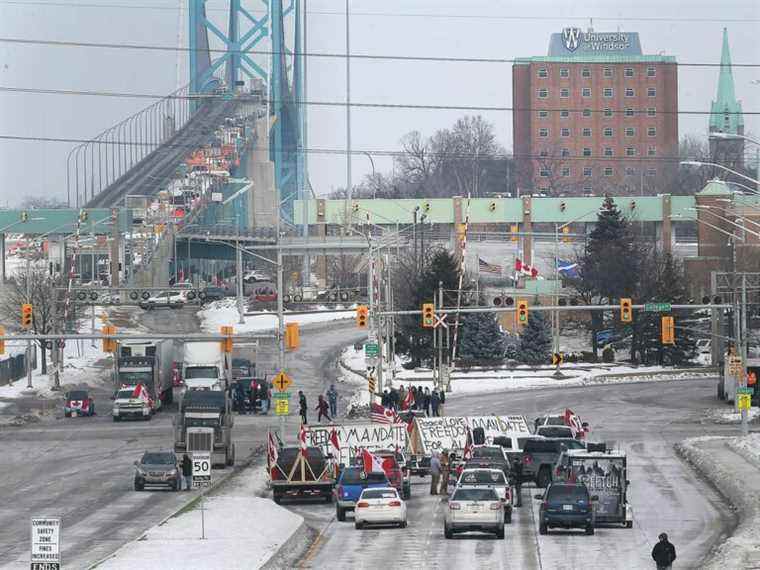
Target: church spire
(726, 112)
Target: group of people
(257, 393)
(327, 405)
(441, 465)
(415, 398)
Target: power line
(386, 14)
(329, 55)
(493, 108)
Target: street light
(708, 209)
(716, 165)
(729, 136)
(372, 162)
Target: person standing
(264, 396)
(426, 402)
(303, 407)
(442, 397)
(332, 398)
(254, 396)
(187, 472)
(664, 553)
(401, 396)
(434, 402)
(321, 409)
(445, 470)
(435, 473)
(517, 470)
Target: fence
(13, 368)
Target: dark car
(489, 457)
(349, 487)
(210, 294)
(78, 403)
(566, 505)
(157, 468)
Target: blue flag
(568, 269)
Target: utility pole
(438, 332)
(29, 342)
(115, 247)
(239, 271)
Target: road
(81, 468)
(643, 419)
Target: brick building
(595, 116)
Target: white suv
(474, 509)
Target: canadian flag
(141, 392)
(408, 400)
(272, 450)
(525, 269)
(371, 462)
(467, 453)
(574, 421)
(302, 439)
(335, 444)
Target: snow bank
(727, 415)
(225, 313)
(748, 447)
(736, 480)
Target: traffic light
(24, 216)
(83, 216)
(522, 311)
(26, 315)
(513, 230)
(626, 312)
(2, 340)
(227, 331)
(562, 206)
(356, 207)
(362, 315)
(492, 206)
(292, 336)
(109, 344)
(566, 234)
(668, 331)
(426, 207)
(428, 315)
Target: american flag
(382, 415)
(486, 267)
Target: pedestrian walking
(664, 553)
(332, 398)
(442, 397)
(435, 473)
(517, 469)
(413, 390)
(302, 407)
(435, 402)
(445, 470)
(426, 402)
(384, 399)
(187, 472)
(322, 409)
(421, 398)
(264, 397)
(254, 396)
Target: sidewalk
(727, 464)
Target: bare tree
(42, 202)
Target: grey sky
(476, 28)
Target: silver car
(493, 478)
(157, 468)
(474, 509)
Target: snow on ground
(748, 447)
(235, 535)
(727, 415)
(225, 313)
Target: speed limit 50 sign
(201, 469)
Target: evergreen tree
(481, 338)
(535, 341)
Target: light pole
(716, 165)
(372, 162)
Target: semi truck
(147, 364)
(204, 423)
(203, 365)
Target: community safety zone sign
(354, 437)
(46, 548)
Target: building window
(651, 172)
(543, 152)
(587, 171)
(628, 72)
(564, 132)
(565, 152)
(586, 113)
(564, 72)
(630, 151)
(543, 73)
(588, 190)
(651, 92)
(585, 72)
(608, 92)
(586, 151)
(564, 114)
(629, 112)
(543, 93)
(564, 92)
(629, 92)
(630, 132)
(651, 112)
(608, 171)
(565, 171)
(543, 114)
(586, 132)
(608, 72)
(586, 92)
(651, 131)
(543, 132)
(629, 171)
(651, 72)
(652, 151)
(607, 131)
(544, 173)
(607, 113)
(608, 151)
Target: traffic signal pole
(29, 342)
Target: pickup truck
(538, 459)
(351, 482)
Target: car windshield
(555, 431)
(483, 478)
(124, 394)
(483, 494)
(555, 421)
(567, 493)
(573, 444)
(159, 459)
(352, 476)
(488, 452)
(134, 378)
(78, 395)
(379, 494)
(201, 372)
(521, 441)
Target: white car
(257, 276)
(170, 299)
(380, 505)
(493, 478)
(474, 509)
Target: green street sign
(749, 391)
(280, 395)
(657, 307)
(371, 349)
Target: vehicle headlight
(141, 472)
(172, 473)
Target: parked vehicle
(381, 505)
(257, 276)
(164, 299)
(555, 431)
(203, 365)
(157, 468)
(493, 478)
(204, 423)
(149, 364)
(538, 459)
(211, 294)
(78, 403)
(132, 402)
(395, 473)
(298, 475)
(474, 509)
(351, 482)
(566, 505)
(490, 456)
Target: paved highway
(643, 419)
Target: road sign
(657, 307)
(201, 469)
(735, 365)
(46, 547)
(281, 407)
(748, 391)
(743, 401)
(280, 395)
(371, 349)
(282, 381)
(371, 385)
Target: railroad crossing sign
(281, 407)
(46, 547)
(440, 321)
(282, 381)
(201, 469)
